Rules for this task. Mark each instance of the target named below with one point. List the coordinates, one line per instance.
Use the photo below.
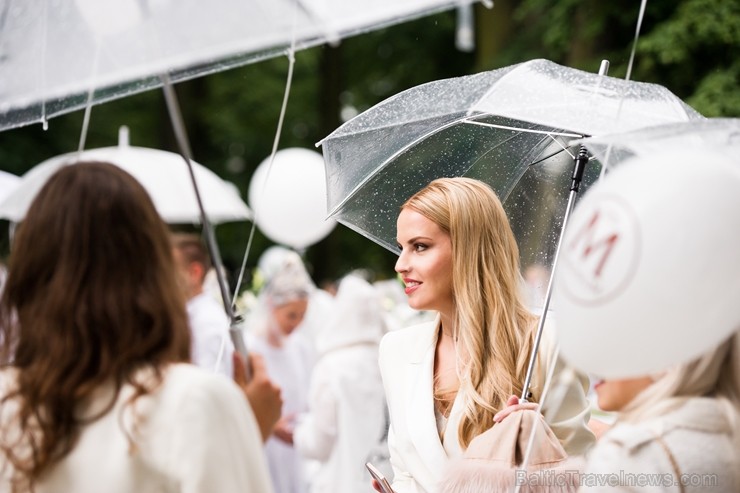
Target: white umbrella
(8, 183)
(163, 174)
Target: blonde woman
(447, 381)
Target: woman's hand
(513, 405)
(263, 396)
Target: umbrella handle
(236, 331)
(579, 166)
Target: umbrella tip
(123, 136)
(604, 68)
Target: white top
(212, 348)
(288, 366)
(195, 434)
(346, 419)
(418, 457)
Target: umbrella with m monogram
(650, 258)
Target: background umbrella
(163, 174)
(720, 135)
(509, 127)
(59, 51)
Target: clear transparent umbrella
(511, 128)
(719, 135)
(56, 53)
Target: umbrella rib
(526, 130)
(548, 157)
(562, 148)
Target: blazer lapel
(420, 419)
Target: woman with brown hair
(95, 394)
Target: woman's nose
(401, 264)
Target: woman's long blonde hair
(495, 329)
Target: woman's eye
(420, 247)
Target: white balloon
(649, 271)
(291, 207)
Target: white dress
(346, 419)
(289, 367)
(196, 434)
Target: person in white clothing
(273, 332)
(209, 325)
(663, 342)
(681, 425)
(450, 380)
(96, 392)
(346, 419)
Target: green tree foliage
(694, 52)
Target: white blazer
(418, 457)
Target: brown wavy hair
(91, 298)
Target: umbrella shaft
(579, 167)
(182, 142)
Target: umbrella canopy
(720, 135)
(8, 183)
(509, 127)
(164, 175)
(58, 51)
(650, 276)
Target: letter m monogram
(593, 248)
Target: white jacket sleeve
(216, 443)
